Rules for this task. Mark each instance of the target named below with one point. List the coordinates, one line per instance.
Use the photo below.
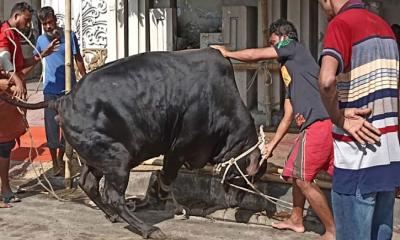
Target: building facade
(112, 29)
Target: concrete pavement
(38, 217)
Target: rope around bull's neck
(233, 161)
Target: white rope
(233, 161)
(229, 163)
(267, 197)
(262, 65)
(36, 50)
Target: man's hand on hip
(356, 125)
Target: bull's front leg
(116, 177)
(114, 188)
(115, 184)
(89, 182)
(160, 187)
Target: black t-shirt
(300, 73)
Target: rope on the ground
(32, 148)
(233, 161)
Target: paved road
(39, 217)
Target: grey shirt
(300, 73)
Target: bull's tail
(53, 104)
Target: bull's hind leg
(115, 185)
(166, 177)
(160, 190)
(89, 182)
(168, 174)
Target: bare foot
(289, 224)
(328, 236)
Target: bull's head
(251, 166)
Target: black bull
(184, 105)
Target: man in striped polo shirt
(359, 87)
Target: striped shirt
(368, 76)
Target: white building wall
(120, 26)
(274, 13)
(91, 23)
(138, 26)
(162, 23)
(304, 30)
(111, 30)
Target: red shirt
(5, 35)
(12, 125)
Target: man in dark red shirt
(13, 67)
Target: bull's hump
(164, 78)
(161, 65)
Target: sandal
(5, 205)
(11, 199)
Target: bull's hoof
(157, 234)
(137, 203)
(148, 203)
(114, 218)
(181, 213)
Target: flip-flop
(11, 199)
(5, 205)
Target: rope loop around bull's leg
(163, 188)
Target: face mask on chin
(283, 42)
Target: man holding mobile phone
(54, 79)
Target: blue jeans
(363, 216)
